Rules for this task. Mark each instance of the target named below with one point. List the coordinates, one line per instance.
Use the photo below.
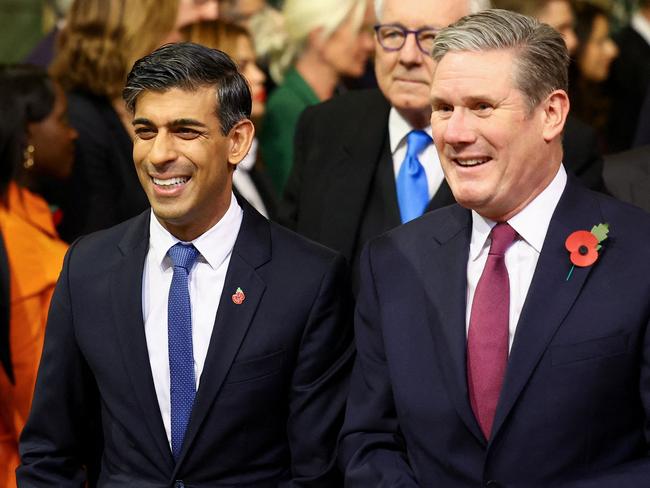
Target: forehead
(421, 13)
(177, 103)
(487, 74)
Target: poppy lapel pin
(584, 246)
(238, 297)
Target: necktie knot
(416, 142)
(183, 255)
(502, 238)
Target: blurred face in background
(240, 11)
(404, 75)
(348, 48)
(598, 52)
(245, 56)
(190, 12)
(559, 15)
(53, 141)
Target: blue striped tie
(412, 186)
(181, 356)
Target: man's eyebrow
(399, 24)
(172, 124)
(141, 121)
(185, 122)
(436, 100)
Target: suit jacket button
(179, 484)
(492, 484)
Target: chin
(406, 101)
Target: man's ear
(240, 139)
(556, 109)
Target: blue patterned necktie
(412, 186)
(181, 356)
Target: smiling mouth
(170, 182)
(470, 163)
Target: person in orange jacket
(36, 144)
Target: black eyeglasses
(393, 37)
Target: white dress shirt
(398, 130)
(521, 258)
(205, 281)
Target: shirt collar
(214, 245)
(641, 25)
(531, 223)
(399, 128)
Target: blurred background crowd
(65, 135)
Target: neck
(187, 229)
(319, 75)
(417, 118)
(26, 179)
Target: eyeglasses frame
(406, 32)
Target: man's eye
(443, 108)
(392, 34)
(483, 107)
(144, 133)
(187, 133)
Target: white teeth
(170, 181)
(471, 162)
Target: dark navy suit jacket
(271, 396)
(574, 406)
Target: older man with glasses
(365, 162)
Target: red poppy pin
(584, 246)
(238, 297)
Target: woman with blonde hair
(250, 182)
(324, 41)
(95, 51)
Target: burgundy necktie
(487, 338)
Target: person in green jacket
(324, 40)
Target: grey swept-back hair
(190, 66)
(474, 6)
(541, 57)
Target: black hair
(191, 66)
(26, 95)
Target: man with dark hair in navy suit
(212, 344)
(503, 341)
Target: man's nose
(458, 129)
(410, 54)
(162, 150)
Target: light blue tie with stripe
(179, 341)
(412, 187)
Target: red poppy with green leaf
(584, 246)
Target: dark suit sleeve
(55, 446)
(319, 384)
(371, 448)
(290, 203)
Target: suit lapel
(447, 292)
(252, 249)
(359, 156)
(550, 296)
(126, 299)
